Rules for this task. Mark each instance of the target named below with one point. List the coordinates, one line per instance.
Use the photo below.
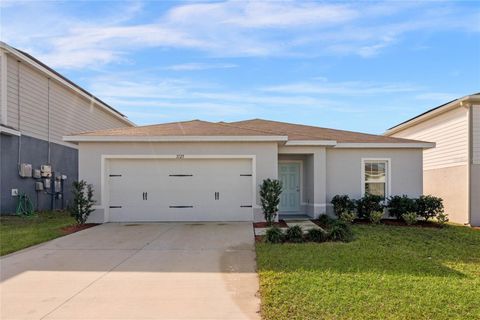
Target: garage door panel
(171, 184)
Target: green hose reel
(24, 206)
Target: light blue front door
(289, 175)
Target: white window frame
(388, 173)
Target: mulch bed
(78, 227)
(258, 239)
(280, 224)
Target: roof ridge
(310, 126)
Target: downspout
(469, 108)
(48, 119)
(18, 113)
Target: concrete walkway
(154, 271)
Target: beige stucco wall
(344, 171)
(90, 159)
(450, 184)
(475, 195)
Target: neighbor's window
(376, 177)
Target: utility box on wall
(25, 170)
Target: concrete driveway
(136, 271)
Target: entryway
(289, 173)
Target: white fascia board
(415, 145)
(311, 143)
(10, 131)
(173, 138)
(52, 75)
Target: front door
(289, 175)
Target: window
(375, 175)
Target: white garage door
(180, 190)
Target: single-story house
(451, 170)
(206, 171)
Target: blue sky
(354, 65)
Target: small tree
(429, 207)
(270, 191)
(341, 204)
(82, 201)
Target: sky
(352, 65)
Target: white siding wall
(69, 112)
(476, 134)
(450, 133)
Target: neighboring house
(452, 169)
(38, 107)
(205, 171)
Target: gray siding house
(451, 170)
(38, 106)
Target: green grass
(386, 273)
(20, 232)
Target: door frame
(104, 185)
(300, 181)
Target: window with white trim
(375, 177)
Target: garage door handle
(145, 196)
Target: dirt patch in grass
(279, 224)
(77, 227)
(258, 239)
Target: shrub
(341, 232)
(82, 204)
(325, 221)
(368, 204)
(399, 205)
(294, 234)
(342, 203)
(274, 235)
(348, 216)
(376, 217)
(442, 218)
(317, 235)
(270, 191)
(410, 218)
(429, 207)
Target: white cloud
(225, 29)
(196, 66)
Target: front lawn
(388, 272)
(20, 232)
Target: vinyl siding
(450, 133)
(476, 134)
(69, 111)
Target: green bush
(367, 204)
(270, 191)
(429, 207)
(410, 218)
(325, 221)
(442, 218)
(83, 201)
(399, 205)
(294, 234)
(348, 216)
(317, 235)
(376, 217)
(274, 235)
(342, 203)
(341, 231)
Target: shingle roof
(185, 128)
(304, 132)
(254, 127)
